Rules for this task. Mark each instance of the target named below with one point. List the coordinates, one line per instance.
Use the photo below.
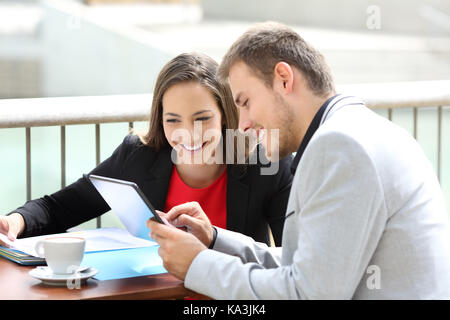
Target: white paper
(96, 240)
(6, 240)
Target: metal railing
(420, 94)
(28, 113)
(38, 112)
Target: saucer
(46, 275)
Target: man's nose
(244, 122)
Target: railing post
(439, 142)
(415, 117)
(63, 156)
(97, 161)
(28, 156)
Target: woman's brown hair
(187, 67)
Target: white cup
(62, 254)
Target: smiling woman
(193, 125)
(190, 112)
(177, 161)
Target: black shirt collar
(315, 123)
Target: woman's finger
(6, 230)
(3, 244)
(4, 241)
(4, 225)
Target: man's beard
(286, 125)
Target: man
(366, 217)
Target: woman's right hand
(11, 226)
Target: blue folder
(125, 263)
(20, 257)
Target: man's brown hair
(264, 45)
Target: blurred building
(96, 47)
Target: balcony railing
(28, 113)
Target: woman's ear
(283, 77)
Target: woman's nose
(197, 131)
(192, 133)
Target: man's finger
(161, 214)
(165, 221)
(180, 209)
(161, 252)
(176, 211)
(153, 223)
(157, 230)
(160, 232)
(185, 220)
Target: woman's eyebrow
(200, 112)
(172, 114)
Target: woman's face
(192, 122)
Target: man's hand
(177, 248)
(191, 216)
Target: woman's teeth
(192, 148)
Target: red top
(212, 199)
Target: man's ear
(283, 78)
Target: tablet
(128, 202)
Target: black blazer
(254, 201)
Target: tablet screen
(127, 202)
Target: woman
(175, 162)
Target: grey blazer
(365, 220)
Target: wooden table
(16, 283)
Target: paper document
(103, 239)
(6, 240)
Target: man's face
(262, 111)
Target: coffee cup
(62, 254)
